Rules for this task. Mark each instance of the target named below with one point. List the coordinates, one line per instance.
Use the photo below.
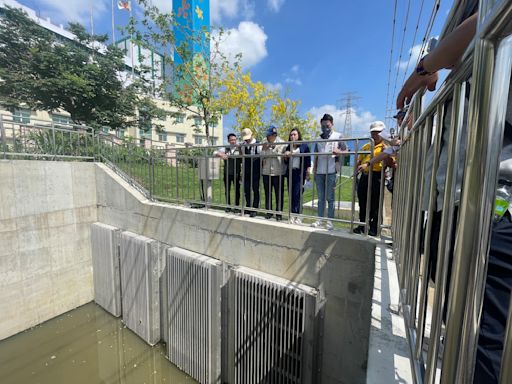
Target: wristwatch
(420, 69)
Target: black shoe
(268, 216)
(372, 233)
(227, 210)
(359, 229)
(252, 214)
(279, 217)
(236, 210)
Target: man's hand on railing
(413, 84)
(363, 167)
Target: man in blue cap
(273, 170)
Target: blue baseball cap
(271, 130)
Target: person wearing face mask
(232, 167)
(363, 166)
(324, 168)
(273, 170)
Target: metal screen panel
(140, 277)
(272, 329)
(194, 314)
(105, 264)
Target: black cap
(327, 117)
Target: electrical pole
(347, 103)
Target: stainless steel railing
(46, 140)
(194, 175)
(455, 130)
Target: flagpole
(131, 42)
(92, 20)
(113, 25)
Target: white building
(180, 128)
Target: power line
(401, 47)
(413, 41)
(391, 57)
(433, 15)
(347, 102)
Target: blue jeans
(325, 184)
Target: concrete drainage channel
(221, 323)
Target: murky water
(86, 345)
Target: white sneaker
(292, 219)
(329, 225)
(298, 220)
(317, 224)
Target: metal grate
(141, 268)
(105, 263)
(194, 314)
(272, 328)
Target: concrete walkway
(388, 355)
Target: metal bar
(491, 116)
(427, 139)
(475, 211)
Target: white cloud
(292, 76)
(230, 9)
(360, 119)
(415, 54)
(249, 39)
(291, 80)
(73, 10)
(275, 5)
(163, 5)
(277, 87)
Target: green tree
(81, 76)
(198, 65)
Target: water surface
(86, 345)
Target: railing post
(2, 137)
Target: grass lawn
(181, 184)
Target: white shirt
(326, 164)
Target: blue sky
(313, 50)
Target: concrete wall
(340, 265)
(46, 209)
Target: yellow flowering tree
(285, 115)
(247, 99)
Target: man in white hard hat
(364, 167)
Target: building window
(120, 133)
(141, 133)
(21, 116)
(61, 119)
(179, 118)
(162, 136)
(180, 138)
(106, 129)
(197, 120)
(214, 140)
(198, 140)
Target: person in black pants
(252, 171)
(498, 286)
(362, 187)
(232, 167)
(299, 170)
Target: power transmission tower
(347, 103)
